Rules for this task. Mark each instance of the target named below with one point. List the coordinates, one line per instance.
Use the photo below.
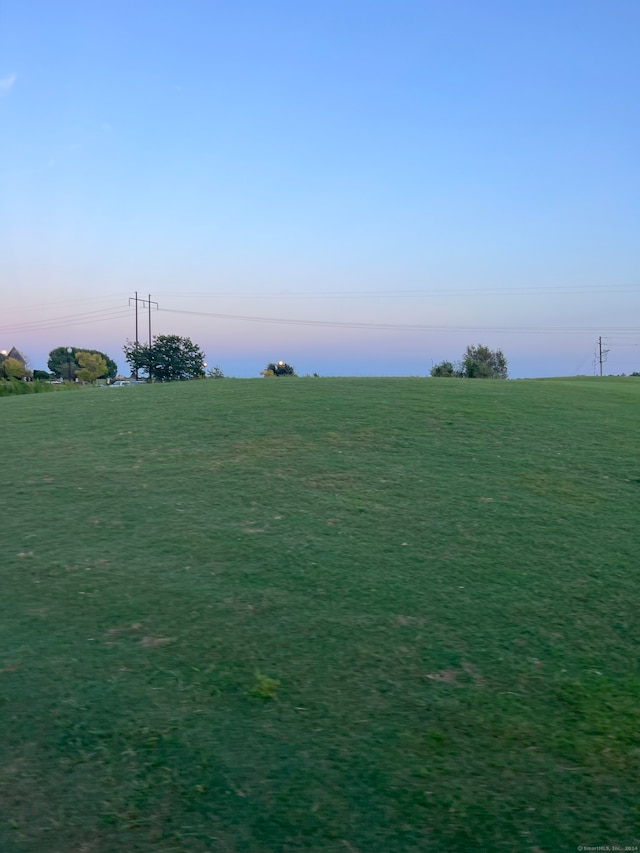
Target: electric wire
(533, 290)
(59, 302)
(412, 327)
(67, 320)
(120, 312)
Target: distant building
(13, 353)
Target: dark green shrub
(10, 387)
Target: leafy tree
(66, 365)
(478, 362)
(112, 367)
(278, 368)
(11, 368)
(169, 358)
(445, 368)
(41, 375)
(215, 373)
(137, 356)
(92, 366)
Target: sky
(356, 188)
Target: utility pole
(135, 300)
(150, 303)
(602, 354)
(146, 303)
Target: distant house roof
(13, 353)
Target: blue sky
(467, 168)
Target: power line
(534, 290)
(67, 320)
(116, 313)
(59, 302)
(412, 327)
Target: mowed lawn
(346, 615)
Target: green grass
(372, 615)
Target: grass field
(346, 615)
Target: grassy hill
(371, 615)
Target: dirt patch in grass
(152, 642)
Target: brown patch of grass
(447, 676)
(152, 642)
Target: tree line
(171, 358)
(87, 365)
(477, 362)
